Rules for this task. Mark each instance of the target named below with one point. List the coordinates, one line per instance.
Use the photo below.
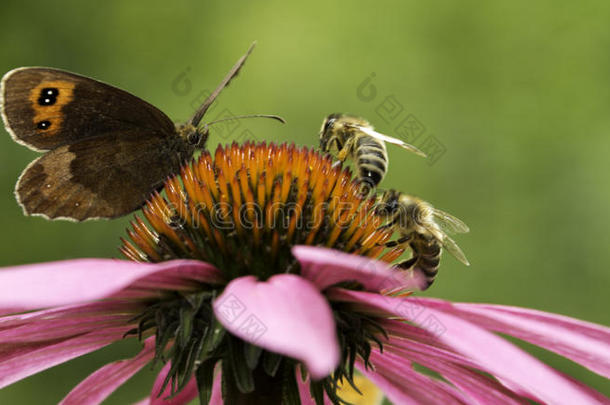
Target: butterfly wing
(108, 148)
(45, 108)
(93, 179)
(389, 139)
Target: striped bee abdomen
(427, 251)
(426, 257)
(371, 160)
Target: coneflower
(269, 283)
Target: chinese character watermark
(405, 124)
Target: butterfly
(105, 149)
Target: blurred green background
(514, 97)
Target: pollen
(243, 207)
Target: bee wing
(449, 244)
(455, 250)
(389, 139)
(449, 223)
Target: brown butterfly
(107, 149)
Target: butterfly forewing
(44, 108)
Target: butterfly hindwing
(93, 179)
(45, 108)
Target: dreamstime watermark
(182, 86)
(405, 124)
(277, 215)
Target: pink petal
(183, 397)
(402, 338)
(493, 354)
(479, 387)
(304, 394)
(286, 315)
(583, 342)
(77, 311)
(99, 385)
(325, 267)
(76, 281)
(216, 398)
(20, 361)
(50, 329)
(189, 392)
(403, 385)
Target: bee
(423, 228)
(355, 138)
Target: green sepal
(244, 380)
(271, 363)
(204, 376)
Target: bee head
(388, 203)
(327, 131)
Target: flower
(279, 302)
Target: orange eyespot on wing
(47, 101)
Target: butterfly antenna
(225, 82)
(237, 117)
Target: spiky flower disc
(243, 209)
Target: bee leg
(387, 226)
(345, 150)
(335, 164)
(398, 241)
(407, 264)
(365, 187)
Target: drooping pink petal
(401, 337)
(492, 353)
(77, 311)
(163, 398)
(286, 315)
(303, 386)
(216, 398)
(20, 361)
(304, 393)
(325, 267)
(50, 329)
(403, 385)
(99, 385)
(76, 281)
(583, 342)
(405, 337)
(185, 396)
(478, 387)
